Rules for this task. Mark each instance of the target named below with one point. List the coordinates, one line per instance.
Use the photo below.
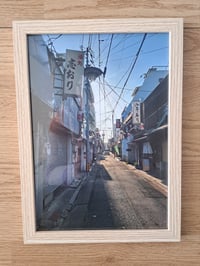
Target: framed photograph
(99, 105)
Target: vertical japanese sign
(74, 73)
(136, 113)
(118, 124)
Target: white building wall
(52, 150)
(41, 79)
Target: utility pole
(113, 130)
(87, 119)
(91, 73)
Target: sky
(126, 56)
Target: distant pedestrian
(116, 150)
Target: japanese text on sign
(136, 113)
(74, 73)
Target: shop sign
(136, 113)
(74, 73)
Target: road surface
(123, 198)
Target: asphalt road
(123, 198)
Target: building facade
(58, 122)
(144, 142)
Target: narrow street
(118, 196)
(80, 122)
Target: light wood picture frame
(21, 31)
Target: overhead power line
(131, 70)
(147, 52)
(115, 91)
(50, 42)
(112, 90)
(105, 68)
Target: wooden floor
(12, 249)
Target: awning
(141, 138)
(128, 118)
(158, 129)
(60, 129)
(149, 133)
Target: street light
(91, 73)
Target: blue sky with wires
(126, 57)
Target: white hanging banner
(74, 73)
(147, 148)
(136, 113)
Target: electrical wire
(147, 52)
(133, 44)
(105, 68)
(114, 91)
(137, 55)
(104, 49)
(155, 50)
(55, 38)
(51, 41)
(128, 69)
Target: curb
(74, 197)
